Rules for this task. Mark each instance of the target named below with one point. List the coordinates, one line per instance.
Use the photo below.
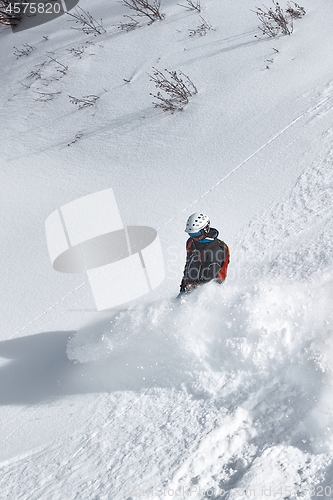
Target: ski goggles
(202, 232)
(196, 235)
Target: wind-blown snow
(223, 394)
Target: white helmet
(196, 222)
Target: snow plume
(266, 349)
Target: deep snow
(226, 394)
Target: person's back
(207, 257)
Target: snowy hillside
(226, 395)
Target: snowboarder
(207, 257)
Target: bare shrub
(77, 51)
(46, 96)
(25, 50)
(85, 101)
(80, 49)
(10, 13)
(45, 74)
(86, 22)
(192, 5)
(129, 26)
(35, 74)
(275, 20)
(59, 68)
(295, 11)
(78, 136)
(202, 28)
(175, 90)
(145, 9)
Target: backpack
(206, 261)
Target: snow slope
(228, 394)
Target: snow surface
(227, 394)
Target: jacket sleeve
(184, 281)
(224, 267)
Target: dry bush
(202, 28)
(85, 101)
(130, 25)
(25, 50)
(145, 9)
(86, 22)
(192, 5)
(295, 11)
(275, 20)
(175, 90)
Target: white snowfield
(225, 395)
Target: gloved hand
(181, 293)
